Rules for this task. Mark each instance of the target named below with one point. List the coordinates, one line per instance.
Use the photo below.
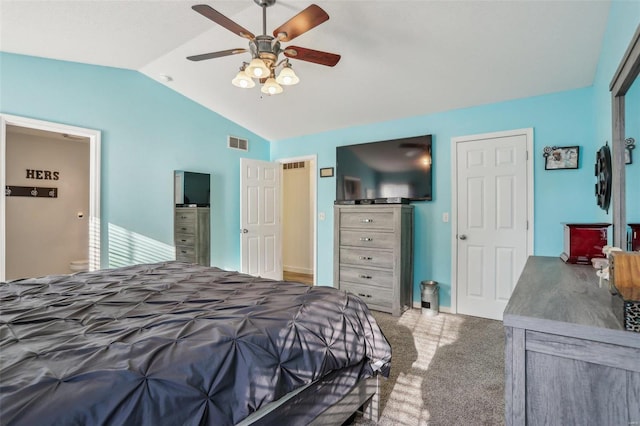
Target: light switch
(321, 216)
(445, 217)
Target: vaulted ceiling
(399, 58)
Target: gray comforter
(171, 344)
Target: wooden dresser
(568, 359)
(373, 254)
(192, 235)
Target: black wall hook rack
(30, 191)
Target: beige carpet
(446, 370)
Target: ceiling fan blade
(309, 18)
(220, 19)
(216, 54)
(310, 55)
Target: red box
(584, 241)
(634, 237)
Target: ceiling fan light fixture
(287, 76)
(271, 87)
(257, 68)
(243, 80)
(265, 49)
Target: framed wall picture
(326, 172)
(561, 157)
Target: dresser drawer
(367, 239)
(369, 277)
(370, 295)
(188, 240)
(185, 254)
(185, 217)
(366, 220)
(365, 257)
(185, 229)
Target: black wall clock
(603, 177)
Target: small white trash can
(429, 298)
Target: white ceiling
(399, 58)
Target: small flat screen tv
(192, 189)
(398, 168)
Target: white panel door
(492, 236)
(260, 224)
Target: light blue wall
(632, 127)
(148, 131)
(567, 118)
(623, 22)
(624, 17)
(558, 119)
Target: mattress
(172, 343)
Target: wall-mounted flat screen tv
(399, 168)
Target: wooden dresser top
(554, 297)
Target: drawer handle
(367, 221)
(366, 258)
(183, 252)
(366, 239)
(183, 217)
(184, 241)
(184, 229)
(364, 295)
(366, 277)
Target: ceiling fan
(265, 48)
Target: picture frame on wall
(326, 172)
(561, 157)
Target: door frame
(528, 133)
(94, 137)
(313, 167)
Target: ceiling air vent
(238, 143)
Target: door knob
(244, 231)
(463, 237)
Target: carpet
(446, 370)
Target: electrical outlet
(321, 216)
(445, 217)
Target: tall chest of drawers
(373, 254)
(191, 235)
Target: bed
(179, 344)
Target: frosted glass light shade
(243, 81)
(271, 87)
(287, 77)
(257, 68)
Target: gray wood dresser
(192, 235)
(568, 359)
(373, 254)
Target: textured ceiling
(399, 58)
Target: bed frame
(363, 397)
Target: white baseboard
(418, 305)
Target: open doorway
(298, 219)
(39, 150)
